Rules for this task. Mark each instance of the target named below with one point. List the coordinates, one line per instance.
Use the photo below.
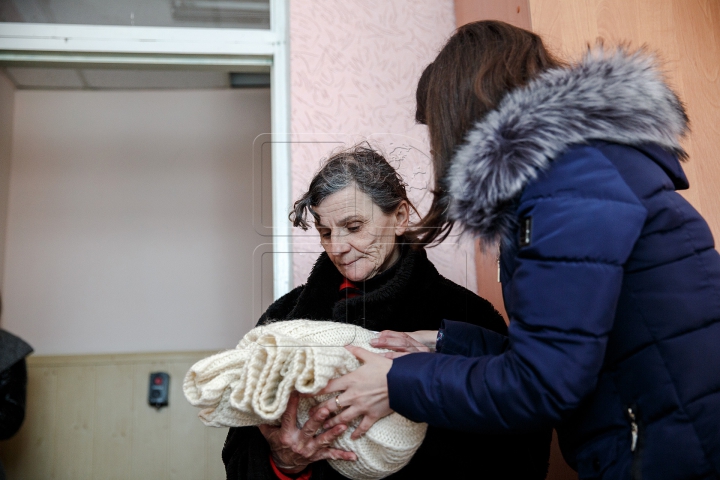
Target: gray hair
(362, 166)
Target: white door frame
(27, 43)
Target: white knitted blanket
(251, 385)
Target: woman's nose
(339, 244)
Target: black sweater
(411, 296)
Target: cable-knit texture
(251, 385)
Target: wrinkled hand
(403, 343)
(294, 448)
(364, 392)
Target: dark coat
(411, 296)
(13, 383)
(610, 279)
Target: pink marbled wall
(354, 67)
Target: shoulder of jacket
(585, 172)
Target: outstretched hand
(403, 343)
(364, 393)
(293, 448)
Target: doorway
(179, 59)
(130, 208)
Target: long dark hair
(476, 68)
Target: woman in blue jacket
(610, 278)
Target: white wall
(7, 101)
(129, 223)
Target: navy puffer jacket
(610, 279)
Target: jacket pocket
(597, 457)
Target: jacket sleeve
(561, 300)
(461, 338)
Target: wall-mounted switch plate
(159, 389)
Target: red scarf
(349, 289)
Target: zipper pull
(633, 429)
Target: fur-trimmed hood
(618, 96)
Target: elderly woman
(372, 275)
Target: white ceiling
(44, 77)
(112, 79)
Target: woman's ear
(402, 218)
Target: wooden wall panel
(114, 418)
(685, 34)
(74, 426)
(514, 12)
(183, 430)
(88, 417)
(488, 286)
(698, 38)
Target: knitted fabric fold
(251, 385)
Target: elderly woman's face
(357, 236)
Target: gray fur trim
(615, 96)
